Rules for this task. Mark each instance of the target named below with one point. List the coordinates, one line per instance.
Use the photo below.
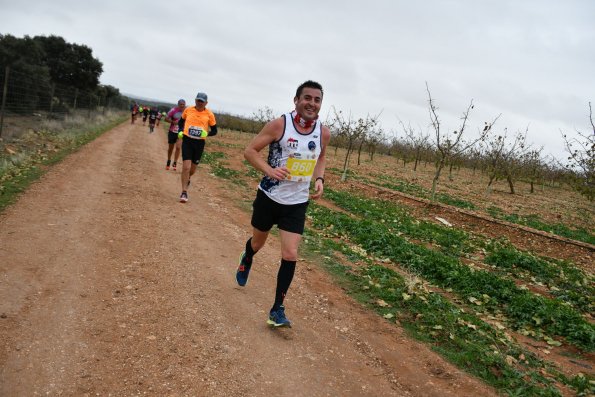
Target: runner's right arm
(270, 133)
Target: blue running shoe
(277, 318)
(243, 270)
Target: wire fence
(26, 96)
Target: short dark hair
(308, 84)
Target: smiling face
(308, 103)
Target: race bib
(197, 132)
(300, 170)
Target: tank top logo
(292, 143)
(312, 145)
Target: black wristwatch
(321, 178)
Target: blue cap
(201, 96)
(181, 101)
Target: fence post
(76, 94)
(52, 92)
(104, 104)
(4, 92)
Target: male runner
(297, 144)
(133, 112)
(145, 112)
(154, 117)
(196, 121)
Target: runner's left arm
(212, 124)
(321, 165)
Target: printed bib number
(300, 170)
(197, 132)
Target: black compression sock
(169, 162)
(284, 278)
(249, 252)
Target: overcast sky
(533, 61)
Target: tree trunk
(491, 180)
(359, 152)
(436, 177)
(510, 183)
(417, 156)
(346, 162)
(489, 188)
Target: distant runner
(145, 114)
(133, 112)
(154, 117)
(173, 117)
(196, 121)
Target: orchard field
(500, 284)
(110, 286)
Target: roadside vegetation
(501, 313)
(24, 159)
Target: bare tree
(475, 158)
(455, 161)
(362, 141)
(352, 131)
(419, 141)
(450, 145)
(375, 138)
(261, 117)
(504, 158)
(369, 138)
(336, 139)
(514, 158)
(533, 167)
(264, 115)
(392, 142)
(581, 160)
(492, 154)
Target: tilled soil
(109, 286)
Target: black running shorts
(172, 137)
(192, 149)
(267, 212)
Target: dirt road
(109, 286)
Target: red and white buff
(302, 122)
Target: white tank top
(299, 152)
